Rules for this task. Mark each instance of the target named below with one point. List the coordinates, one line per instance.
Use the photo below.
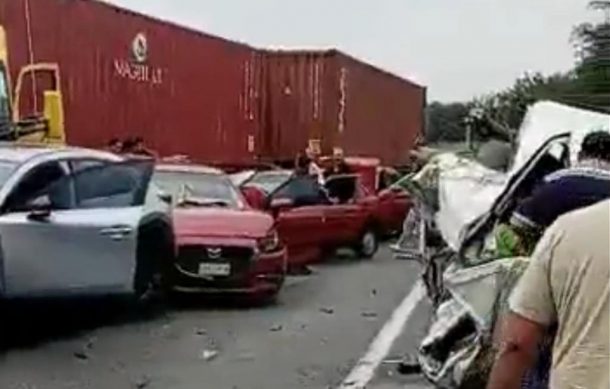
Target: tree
(592, 43)
(500, 114)
(446, 122)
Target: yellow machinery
(46, 127)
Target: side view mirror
(40, 209)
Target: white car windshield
(199, 189)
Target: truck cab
(38, 90)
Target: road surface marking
(365, 369)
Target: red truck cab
(393, 201)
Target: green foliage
(446, 122)
(498, 115)
(592, 43)
(508, 107)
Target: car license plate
(214, 269)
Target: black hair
(303, 161)
(596, 145)
(128, 144)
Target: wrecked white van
(468, 282)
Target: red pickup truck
(313, 219)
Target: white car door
(79, 235)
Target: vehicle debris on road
(327, 310)
(142, 382)
(209, 354)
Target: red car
(223, 245)
(313, 219)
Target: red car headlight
(269, 243)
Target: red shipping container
(331, 99)
(124, 74)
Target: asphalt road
(313, 337)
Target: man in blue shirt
(562, 192)
(569, 189)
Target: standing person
(566, 284)
(313, 168)
(134, 147)
(301, 164)
(339, 166)
(139, 148)
(128, 146)
(114, 146)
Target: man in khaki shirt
(567, 283)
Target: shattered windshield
(199, 188)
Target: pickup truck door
(302, 224)
(346, 217)
(302, 230)
(79, 235)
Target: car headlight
(269, 243)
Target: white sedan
(79, 222)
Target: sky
(459, 49)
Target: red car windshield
(199, 189)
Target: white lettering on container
(138, 72)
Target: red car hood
(215, 222)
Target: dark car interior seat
(342, 188)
